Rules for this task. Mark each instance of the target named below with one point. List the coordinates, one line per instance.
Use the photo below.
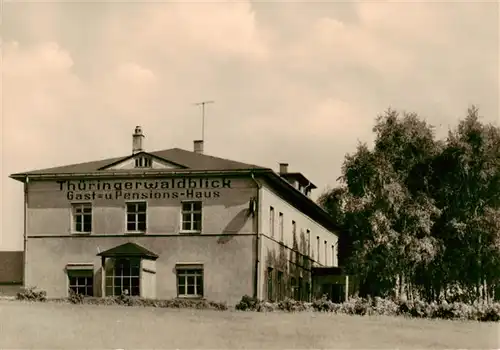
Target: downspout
(257, 237)
(25, 228)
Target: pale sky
(293, 82)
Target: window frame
(81, 273)
(199, 271)
(318, 248)
(281, 223)
(272, 223)
(143, 162)
(270, 283)
(191, 212)
(129, 277)
(326, 253)
(136, 217)
(74, 205)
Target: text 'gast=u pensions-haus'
(177, 224)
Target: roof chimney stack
(137, 140)
(283, 168)
(198, 146)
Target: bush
(324, 305)
(75, 298)
(31, 294)
(248, 303)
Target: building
(11, 272)
(173, 223)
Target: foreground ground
(64, 326)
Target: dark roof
(183, 158)
(192, 163)
(11, 267)
(299, 177)
(129, 250)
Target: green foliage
(75, 298)
(31, 294)
(422, 216)
(126, 300)
(247, 303)
(485, 312)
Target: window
(81, 282)
(190, 281)
(143, 162)
(271, 221)
(294, 228)
(333, 255)
(317, 248)
(270, 290)
(281, 226)
(280, 286)
(308, 242)
(123, 276)
(191, 216)
(300, 292)
(326, 253)
(136, 216)
(82, 217)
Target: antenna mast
(202, 104)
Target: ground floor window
(280, 288)
(81, 282)
(190, 281)
(123, 276)
(270, 290)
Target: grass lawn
(64, 326)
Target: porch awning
(129, 250)
(79, 266)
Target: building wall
(225, 210)
(10, 289)
(228, 262)
(284, 254)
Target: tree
(416, 210)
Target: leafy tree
(421, 214)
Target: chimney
(198, 146)
(137, 140)
(283, 168)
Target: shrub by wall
(379, 306)
(31, 294)
(137, 301)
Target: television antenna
(202, 104)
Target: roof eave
(326, 219)
(144, 173)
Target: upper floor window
(294, 228)
(308, 238)
(281, 226)
(317, 248)
(136, 216)
(271, 221)
(191, 216)
(326, 253)
(143, 162)
(82, 217)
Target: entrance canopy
(129, 250)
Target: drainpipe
(257, 237)
(25, 229)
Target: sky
(293, 81)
